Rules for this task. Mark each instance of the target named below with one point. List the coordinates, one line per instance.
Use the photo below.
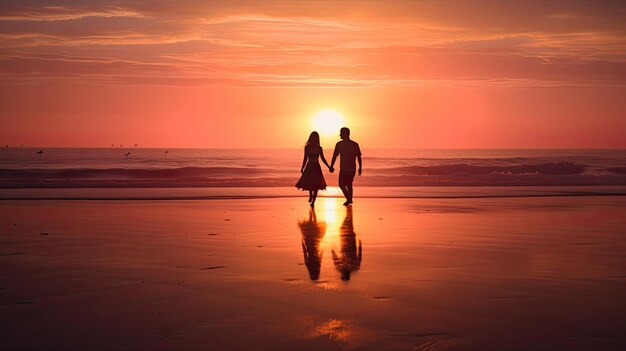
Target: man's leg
(349, 192)
(349, 189)
(342, 184)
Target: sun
(328, 122)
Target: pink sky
(410, 74)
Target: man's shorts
(346, 177)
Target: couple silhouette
(312, 178)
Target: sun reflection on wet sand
(330, 210)
(333, 329)
(331, 192)
(331, 213)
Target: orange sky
(410, 74)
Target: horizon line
(298, 148)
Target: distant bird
(127, 154)
(22, 145)
(136, 145)
(112, 145)
(40, 152)
(165, 151)
(120, 145)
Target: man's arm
(358, 158)
(332, 162)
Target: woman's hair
(314, 140)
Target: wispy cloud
(49, 12)
(296, 44)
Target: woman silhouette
(312, 178)
(312, 235)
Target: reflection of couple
(312, 178)
(350, 255)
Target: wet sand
(266, 274)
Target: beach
(464, 164)
(509, 273)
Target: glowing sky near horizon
(403, 74)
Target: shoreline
(439, 192)
(290, 197)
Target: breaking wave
(457, 174)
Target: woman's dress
(312, 177)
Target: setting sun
(328, 122)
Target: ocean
(207, 173)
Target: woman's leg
(310, 195)
(314, 197)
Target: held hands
(359, 171)
(331, 169)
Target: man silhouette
(351, 254)
(349, 151)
